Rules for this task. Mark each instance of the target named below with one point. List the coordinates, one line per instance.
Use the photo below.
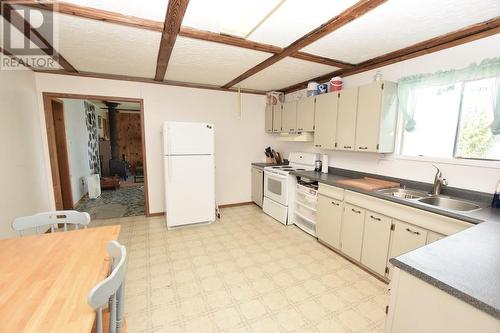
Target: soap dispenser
(496, 197)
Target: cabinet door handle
(317, 145)
(413, 232)
(375, 218)
(299, 129)
(363, 148)
(347, 147)
(275, 130)
(335, 203)
(356, 211)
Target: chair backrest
(50, 218)
(111, 289)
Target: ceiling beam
(147, 80)
(457, 37)
(360, 8)
(16, 20)
(248, 44)
(173, 20)
(136, 22)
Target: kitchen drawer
(305, 212)
(331, 191)
(306, 199)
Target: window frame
(474, 162)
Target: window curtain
(445, 80)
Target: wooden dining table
(45, 279)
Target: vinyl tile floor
(244, 273)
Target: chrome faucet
(439, 182)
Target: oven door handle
(274, 175)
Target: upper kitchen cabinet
(346, 119)
(305, 114)
(269, 119)
(277, 118)
(325, 121)
(376, 117)
(289, 117)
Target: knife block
(270, 160)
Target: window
(451, 118)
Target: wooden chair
(110, 290)
(49, 219)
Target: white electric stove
(279, 185)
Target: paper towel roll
(324, 163)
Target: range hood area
(296, 137)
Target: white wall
(238, 141)
(23, 182)
(459, 175)
(77, 137)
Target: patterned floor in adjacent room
(244, 273)
(122, 202)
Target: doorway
(97, 140)
(64, 197)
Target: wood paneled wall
(129, 137)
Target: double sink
(439, 201)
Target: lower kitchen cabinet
(329, 220)
(376, 236)
(353, 221)
(405, 238)
(433, 237)
(257, 185)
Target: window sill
(453, 161)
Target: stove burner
(300, 169)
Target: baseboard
(236, 204)
(155, 214)
(80, 200)
(220, 206)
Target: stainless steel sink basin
(449, 203)
(403, 193)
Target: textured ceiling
(101, 47)
(284, 73)
(296, 18)
(210, 63)
(400, 23)
(147, 9)
(218, 15)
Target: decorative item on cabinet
(322, 88)
(275, 97)
(335, 84)
(312, 89)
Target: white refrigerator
(188, 156)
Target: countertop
(475, 217)
(465, 265)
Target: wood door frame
(62, 159)
(49, 96)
